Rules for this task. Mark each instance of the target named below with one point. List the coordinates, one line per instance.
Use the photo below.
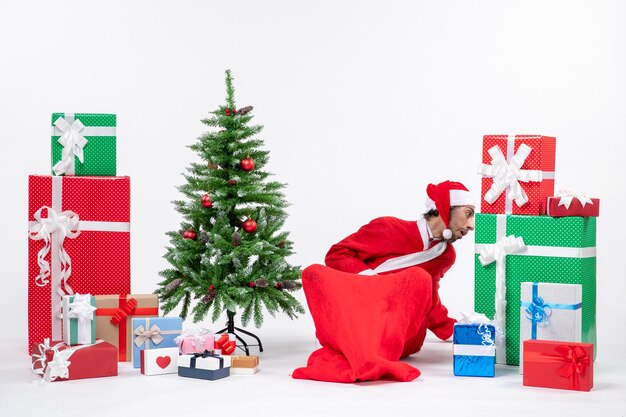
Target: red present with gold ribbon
(114, 314)
(558, 364)
(518, 173)
(79, 242)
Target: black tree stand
(230, 328)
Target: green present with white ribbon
(512, 249)
(84, 144)
(79, 319)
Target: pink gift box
(195, 343)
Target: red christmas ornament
(279, 285)
(190, 234)
(227, 111)
(247, 164)
(206, 201)
(249, 225)
(211, 287)
(234, 111)
(251, 284)
(231, 182)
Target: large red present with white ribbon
(518, 173)
(558, 364)
(79, 229)
(571, 203)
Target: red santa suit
(387, 245)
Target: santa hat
(444, 195)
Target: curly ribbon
(567, 196)
(58, 367)
(226, 343)
(65, 225)
(79, 308)
(497, 253)
(574, 358)
(73, 142)
(144, 336)
(507, 175)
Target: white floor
(273, 392)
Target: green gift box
(83, 144)
(511, 249)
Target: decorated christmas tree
(230, 254)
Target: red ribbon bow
(576, 362)
(225, 344)
(123, 312)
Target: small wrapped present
(550, 312)
(518, 173)
(195, 341)
(558, 364)
(204, 365)
(225, 344)
(79, 242)
(154, 333)
(570, 203)
(474, 349)
(244, 365)
(159, 361)
(114, 318)
(83, 144)
(79, 324)
(57, 361)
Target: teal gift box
(79, 319)
(84, 144)
(512, 249)
(154, 333)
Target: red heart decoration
(163, 361)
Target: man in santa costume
(388, 245)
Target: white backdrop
(363, 103)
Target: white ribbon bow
(73, 143)
(65, 225)
(153, 334)
(568, 195)
(497, 253)
(81, 308)
(58, 367)
(508, 175)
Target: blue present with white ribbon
(550, 311)
(474, 349)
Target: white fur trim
(461, 198)
(367, 272)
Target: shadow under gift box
(114, 316)
(87, 361)
(99, 254)
(557, 250)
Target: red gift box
(558, 364)
(518, 173)
(74, 362)
(79, 230)
(564, 206)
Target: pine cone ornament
(204, 237)
(289, 285)
(181, 232)
(172, 285)
(261, 282)
(245, 110)
(236, 238)
(281, 244)
(210, 296)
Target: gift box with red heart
(558, 364)
(159, 361)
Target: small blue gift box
(205, 365)
(474, 349)
(154, 333)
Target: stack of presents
(82, 319)
(535, 271)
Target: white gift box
(550, 311)
(159, 361)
